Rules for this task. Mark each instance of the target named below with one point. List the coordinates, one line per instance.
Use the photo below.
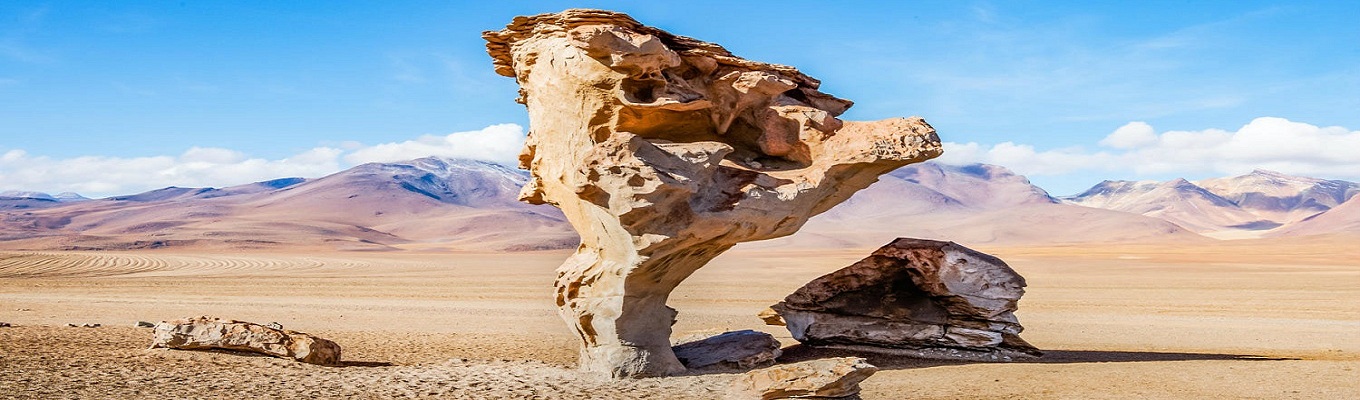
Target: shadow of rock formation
(800, 352)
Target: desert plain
(1224, 319)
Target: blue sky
(116, 97)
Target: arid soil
(1246, 319)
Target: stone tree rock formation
(915, 297)
(664, 151)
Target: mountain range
(1258, 204)
(973, 204)
(463, 205)
(425, 203)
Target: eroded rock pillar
(664, 151)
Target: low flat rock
(822, 378)
(205, 333)
(744, 349)
(913, 297)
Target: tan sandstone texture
(204, 333)
(822, 378)
(664, 151)
(915, 297)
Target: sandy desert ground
(1245, 319)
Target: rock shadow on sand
(245, 355)
(363, 364)
(799, 352)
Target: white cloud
(1048, 162)
(1131, 135)
(13, 155)
(498, 143)
(1131, 150)
(962, 153)
(212, 155)
(1023, 158)
(218, 167)
(96, 175)
(1265, 143)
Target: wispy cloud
(132, 90)
(983, 12)
(195, 86)
(444, 70)
(1066, 69)
(404, 70)
(217, 167)
(129, 22)
(13, 38)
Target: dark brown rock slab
(914, 297)
(735, 350)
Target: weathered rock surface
(664, 151)
(744, 349)
(823, 378)
(915, 297)
(203, 333)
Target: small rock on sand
(824, 378)
(743, 349)
(203, 333)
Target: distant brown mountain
(435, 203)
(973, 204)
(1279, 197)
(1178, 201)
(18, 200)
(1249, 205)
(1344, 219)
(424, 203)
